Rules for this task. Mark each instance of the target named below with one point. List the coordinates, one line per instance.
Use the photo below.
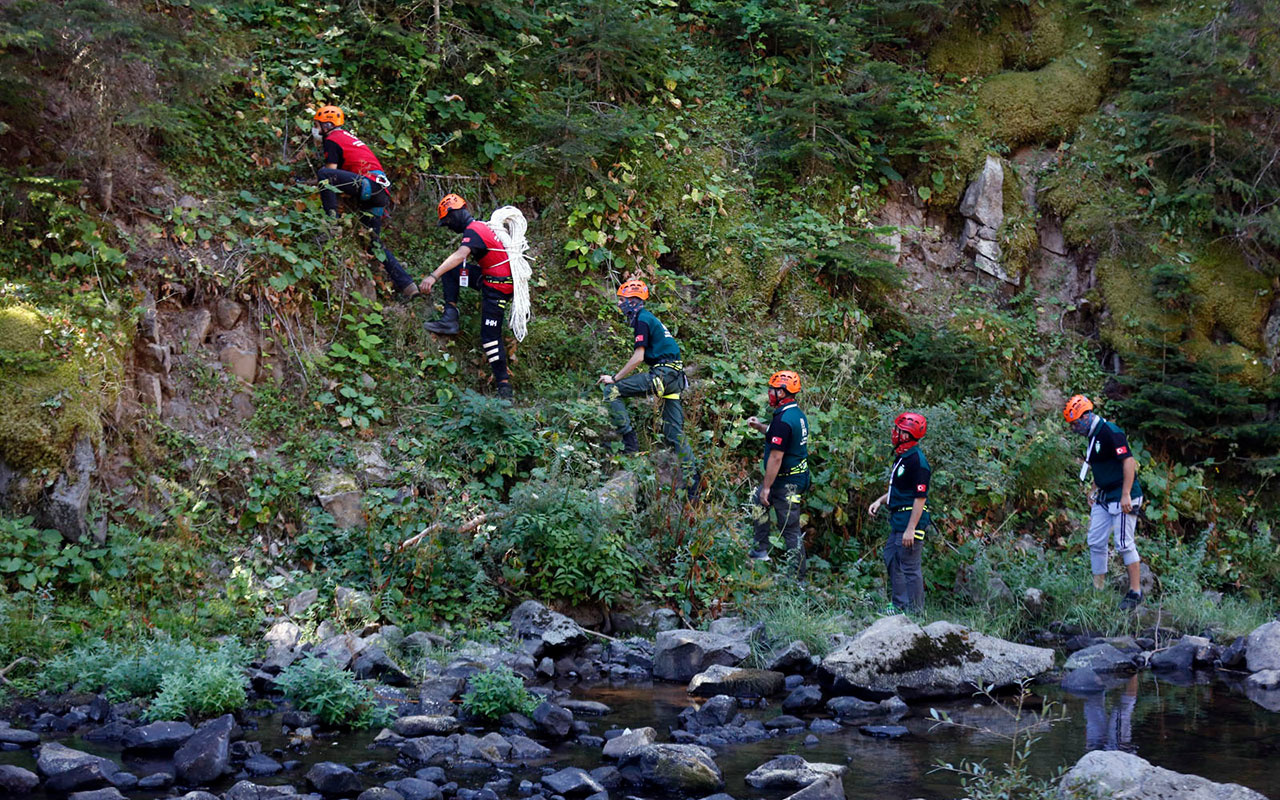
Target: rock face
(207, 754)
(65, 504)
(677, 768)
(340, 496)
(736, 682)
(983, 210)
(680, 654)
(1262, 651)
(1116, 775)
(551, 634)
(897, 656)
(791, 772)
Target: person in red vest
(351, 167)
(488, 270)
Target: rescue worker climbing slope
(351, 167)
(786, 470)
(1116, 497)
(908, 514)
(655, 346)
(489, 270)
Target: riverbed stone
(802, 699)
(248, 790)
(884, 731)
(424, 725)
(1100, 658)
(106, 793)
(66, 770)
(796, 658)
(681, 654)
(373, 663)
(682, 768)
(19, 736)
(284, 633)
(790, 772)
(784, 722)
(1183, 655)
(846, 709)
(1262, 650)
(260, 765)
(552, 720)
(572, 782)
(586, 708)
(15, 780)
(158, 737)
(380, 793)
(829, 787)
(416, 789)
(1083, 681)
(205, 756)
(1116, 775)
(736, 682)
(715, 712)
(333, 780)
(550, 633)
(525, 750)
(630, 739)
(895, 655)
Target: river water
(1208, 728)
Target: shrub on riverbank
(334, 695)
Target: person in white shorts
(1117, 495)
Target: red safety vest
(495, 265)
(356, 155)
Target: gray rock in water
(19, 736)
(784, 722)
(156, 780)
(853, 708)
(1233, 657)
(380, 793)
(1113, 774)
(572, 782)
(719, 710)
(1082, 681)
(109, 793)
(1262, 649)
(736, 682)
(802, 698)
(795, 659)
(681, 654)
(895, 655)
(1181, 656)
(259, 765)
(207, 754)
(416, 789)
(424, 725)
(159, 737)
(678, 768)
(15, 780)
(791, 772)
(619, 746)
(373, 663)
(554, 633)
(552, 720)
(825, 726)
(67, 770)
(525, 750)
(830, 787)
(248, 790)
(333, 780)
(586, 708)
(1100, 658)
(884, 731)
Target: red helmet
(1076, 408)
(448, 203)
(908, 429)
(634, 288)
(332, 115)
(785, 379)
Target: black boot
(694, 490)
(630, 444)
(446, 324)
(504, 391)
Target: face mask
(775, 397)
(315, 133)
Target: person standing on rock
(351, 167)
(490, 272)
(655, 346)
(786, 470)
(908, 514)
(1116, 497)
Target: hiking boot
(446, 324)
(630, 444)
(759, 555)
(1131, 601)
(504, 392)
(409, 292)
(694, 489)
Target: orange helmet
(785, 379)
(1076, 408)
(332, 115)
(634, 288)
(448, 203)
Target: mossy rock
(49, 396)
(1232, 297)
(1022, 38)
(1021, 108)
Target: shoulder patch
(1121, 450)
(920, 487)
(901, 469)
(776, 440)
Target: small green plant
(496, 692)
(332, 694)
(214, 684)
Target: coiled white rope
(509, 225)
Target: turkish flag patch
(920, 487)
(776, 440)
(639, 337)
(1121, 450)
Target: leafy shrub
(213, 685)
(496, 692)
(332, 694)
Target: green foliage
(497, 691)
(332, 694)
(214, 683)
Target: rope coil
(509, 225)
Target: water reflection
(1113, 731)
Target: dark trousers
(668, 384)
(371, 200)
(493, 308)
(785, 501)
(906, 576)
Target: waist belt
(798, 469)
(907, 508)
(682, 381)
(678, 366)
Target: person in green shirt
(656, 347)
(908, 516)
(786, 470)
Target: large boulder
(15, 780)
(1116, 775)
(333, 780)
(677, 768)
(897, 656)
(552, 720)
(66, 770)
(1262, 651)
(158, 737)
(207, 754)
(572, 782)
(1100, 658)
(1189, 652)
(829, 787)
(619, 746)
(791, 772)
(680, 654)
(551, 634)
(736, 682)
(417, 725)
